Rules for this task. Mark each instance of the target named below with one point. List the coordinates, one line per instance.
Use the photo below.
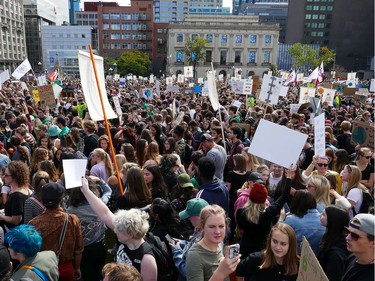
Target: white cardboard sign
(277, 144)
(74, 170)
(319, 135)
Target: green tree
(195, 51)
(303, 56)
(135, 62)
(108, 63)
(326, 55)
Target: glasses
(322, 165)
(367, 157)
(353, 235)
(7, 175)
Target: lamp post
(115, 68)
(110, 70)
(40, 68)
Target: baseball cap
(193, 208)
(184, 180)
(255, 177)
(51, 193)
(364, 222)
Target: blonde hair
(104, 156)
(253, 211)
(210, 210)
(323, 186)
(355, 176)
(120, 160)
(133, 222)
(153, 152)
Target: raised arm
(98, 206)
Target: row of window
(330, 1)
(128, 46)
(68, 35)
(124, 36)
(238, 39)
(86, 16)
(62, 47)
(124, 16)
(251, 56)
(90, 23)
(124, 26)
(317, 25)
(319, 8)
(316, 33)
(173, 3)
(316, 16)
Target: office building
(12, 34)
(347, 27)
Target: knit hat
(258, 193)
(53, 131)
(364, 222)
(193, 208)
(184, 181)
(51, 193)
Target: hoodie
(215, 192)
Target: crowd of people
(188, 185)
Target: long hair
(129, 153)
(239, 163)
(104, 156)
(158, 180)
(40, 154)
(322, 189)
(354, 179)
(16, 143)
(172, 146)
(153, 152)
(252, 162)
(253, 211)
(291, 259)
(342, 159)
(137, 191)
(337, 220)
(20, 172)
(140, 151)
(49, 167)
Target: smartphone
(170, 239)
(234, 250)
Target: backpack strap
(37, 271)
(62, 234)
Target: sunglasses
(367, 157)
(353, 235)
(322, 165)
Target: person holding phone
(205, 260)
(278, 261)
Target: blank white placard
(277, 144)
(74, 170)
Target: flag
(212, 91)
(320, 77)
(90, 88)
(4, 76)
(291, 78)
(53, 75)
(22, 69)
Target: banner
(212, 91)
(90, 88)
(4, 76)
(272, 89)
(319, 135)
(363, 133)
(188, 71)
(22, 69)
(305, 93)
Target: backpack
(163, 259)
(367, 203)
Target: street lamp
(110, 70)
(40, 68)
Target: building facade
(237, 4)
(233, 42)
(268, 12)
(61, 45)
(345, 26)
(73, 8)
(126, 28)
(167, 10)
(12, 34)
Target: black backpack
(367, 203)
(163, 259)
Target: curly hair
(20, 172)
(49, 167)
(40, 154)
(133, 222)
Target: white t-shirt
(355, 195)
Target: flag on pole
(53, 75)
(22, 69)
(319, 79)
(90, 88)
(212, 91)
(291, 78)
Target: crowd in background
(191, 182)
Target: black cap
(255, 177)
(52, 193)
